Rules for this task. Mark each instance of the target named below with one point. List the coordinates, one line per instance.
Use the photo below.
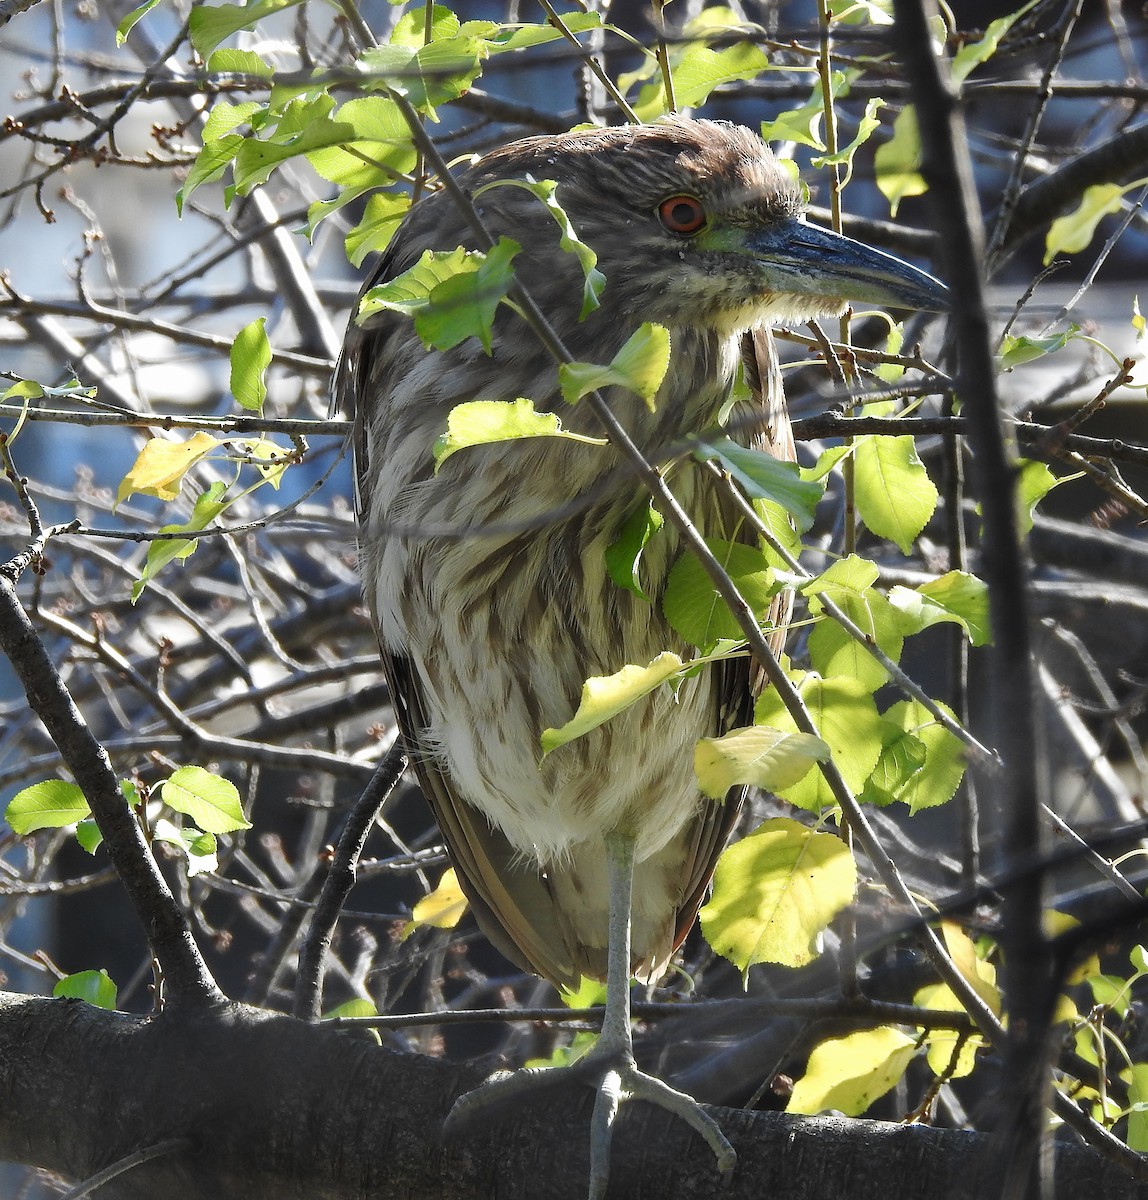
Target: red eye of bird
(682, 214)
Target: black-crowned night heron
(593, 860)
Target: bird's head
(697, 222)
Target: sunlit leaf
(775, 892)
(96, 987)
(481, 422)
(208, 507)
(443, 908)
(161, 465)
(250, 358)
(894, 494)
(1016, 351)
(898, 161)
(921, 762)
(955, 596)
(640, 366)
(847, 1074)
(846, 718)
(604, 696)
(756, 756)
(211, 801)
(52, 804)
(199, 847)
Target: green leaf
(1138, 1107)
(763, 477)
(898, 161)
(1034, 481)
(500, 39)
(755, 756)
(846, 718)
(775, 892)
(692, 604)
(199, 847)
(430, 76)
(452, 295)
(640, 366)
(480, 422)
(52, 804)
(128, 23)
(624, 556)
(921, 762)
(239, 62)
(697, 71)
(351, 1008)
(972, 54)
(849, 584)
(866, 127)
(1016, 351)
(803, 124)
(210, 24)
(1073, 232)
(847, 1074)
(569, 241)
(410, 28)
(250, 358)
(604, 696)
(96, 987)
(88, 835)
(207, 508)
(955, 596)
(209, 800)
(895, 496)
(209, 165)
(382, 216)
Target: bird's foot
(615, 1078)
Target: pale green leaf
(639, 366)
(96, 987)
(895, 496)
(211, 801)
(238, 62)
(775, 892)
(755, 756)
(691, 602)
(207, 508)
(1138, 1107)
(199, 847)
(763, 477)
(604, 696)
(846, 718)
(956, 596)
(210, 24)
(866, 127)
(1016, 351)
(898, 161)
(383, 214)
(847, 1074)
(921, 762)
(972, 54)
(569, 241)
(697, 70)
(52, 804)
(481, 422)
(1073, 232)
(129, 22)
(250, 358)
(849, 583)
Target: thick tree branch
(278, 1108)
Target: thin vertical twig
(1028, 971)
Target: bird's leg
(609, 1067)
(611, 1061)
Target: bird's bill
(809, 261)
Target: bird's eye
(682, 214)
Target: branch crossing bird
(487, 580)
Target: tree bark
(277, 1109)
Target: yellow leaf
(604, 696)
(758, 756)
(847, 1074)
(442, 908)
(161, 466)
(981, 976)
(942, 1042)
(774, 893)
